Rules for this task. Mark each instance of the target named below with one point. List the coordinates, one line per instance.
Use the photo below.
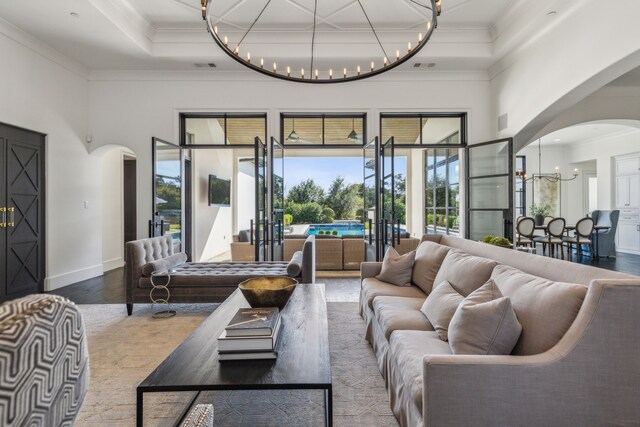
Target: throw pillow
(164, 263)
(429, 257)
(440, 306)
(484, 323)
(397, 269)
(294, 268)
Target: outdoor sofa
(576, 361)
(192, 282)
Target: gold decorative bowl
(268, 291)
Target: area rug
(123, 350)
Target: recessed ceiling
(170, 34)
(584, 133)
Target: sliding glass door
(490, 189)
(261, 220)
(387, 196)
(278, 219)
(370, 201)
(167, 192)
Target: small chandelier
(556, 177)
(238, 34)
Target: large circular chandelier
(321, 41)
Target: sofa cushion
(400, 313)
(164, 264)
(440, 306)
(429, 257)
(545, 309)
(484, 323)
(406, 353)
(223, 274)
(294, 268)
(244, 236)
(397, 269)
(465, 273)
(372, 287)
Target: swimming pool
(352, 229)
(342, 229)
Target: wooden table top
(303, 359)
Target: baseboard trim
(112, 264)
(55, 282)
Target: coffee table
(303, 362)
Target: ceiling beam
(129, 20)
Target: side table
(160, 294)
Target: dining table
(571, 227)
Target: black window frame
(225, 116)
(449, 154)
(323, 116)
(421, 116)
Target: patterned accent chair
(44, 361)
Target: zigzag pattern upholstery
(44, 361)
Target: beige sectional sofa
(577, 361)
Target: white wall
(112, 210)
(586, 46)
(244, 191)
(129, 108)
(212, 224)
(41, 95)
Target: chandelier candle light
(241, 38)
(551, 178)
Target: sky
(323, 170)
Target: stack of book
(251, 334)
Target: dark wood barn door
(22, 195)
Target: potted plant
(539, 212)
(496, 241)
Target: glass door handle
(3, 221)
(370, 231)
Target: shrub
(320, 231)
(328, 215)
(288, 219)
(334, 232)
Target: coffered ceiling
(171, 35)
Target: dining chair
(553, 236)
(525, 228)
(582, 236)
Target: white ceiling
(586, 132)
(170, 34)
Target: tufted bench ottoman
(203, 282)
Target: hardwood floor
(109, 288)
(105, 289)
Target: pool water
(350, 229)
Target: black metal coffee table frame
(303, 363)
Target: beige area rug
(124, 350)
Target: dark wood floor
(109, 288)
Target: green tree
(343, 199)
(328, 215)
(305, 192)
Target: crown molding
(251, 76)
(35, 45)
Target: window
(222, 129)
(442, 198)
(422, 129)
(521, 188)
(323, 129)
